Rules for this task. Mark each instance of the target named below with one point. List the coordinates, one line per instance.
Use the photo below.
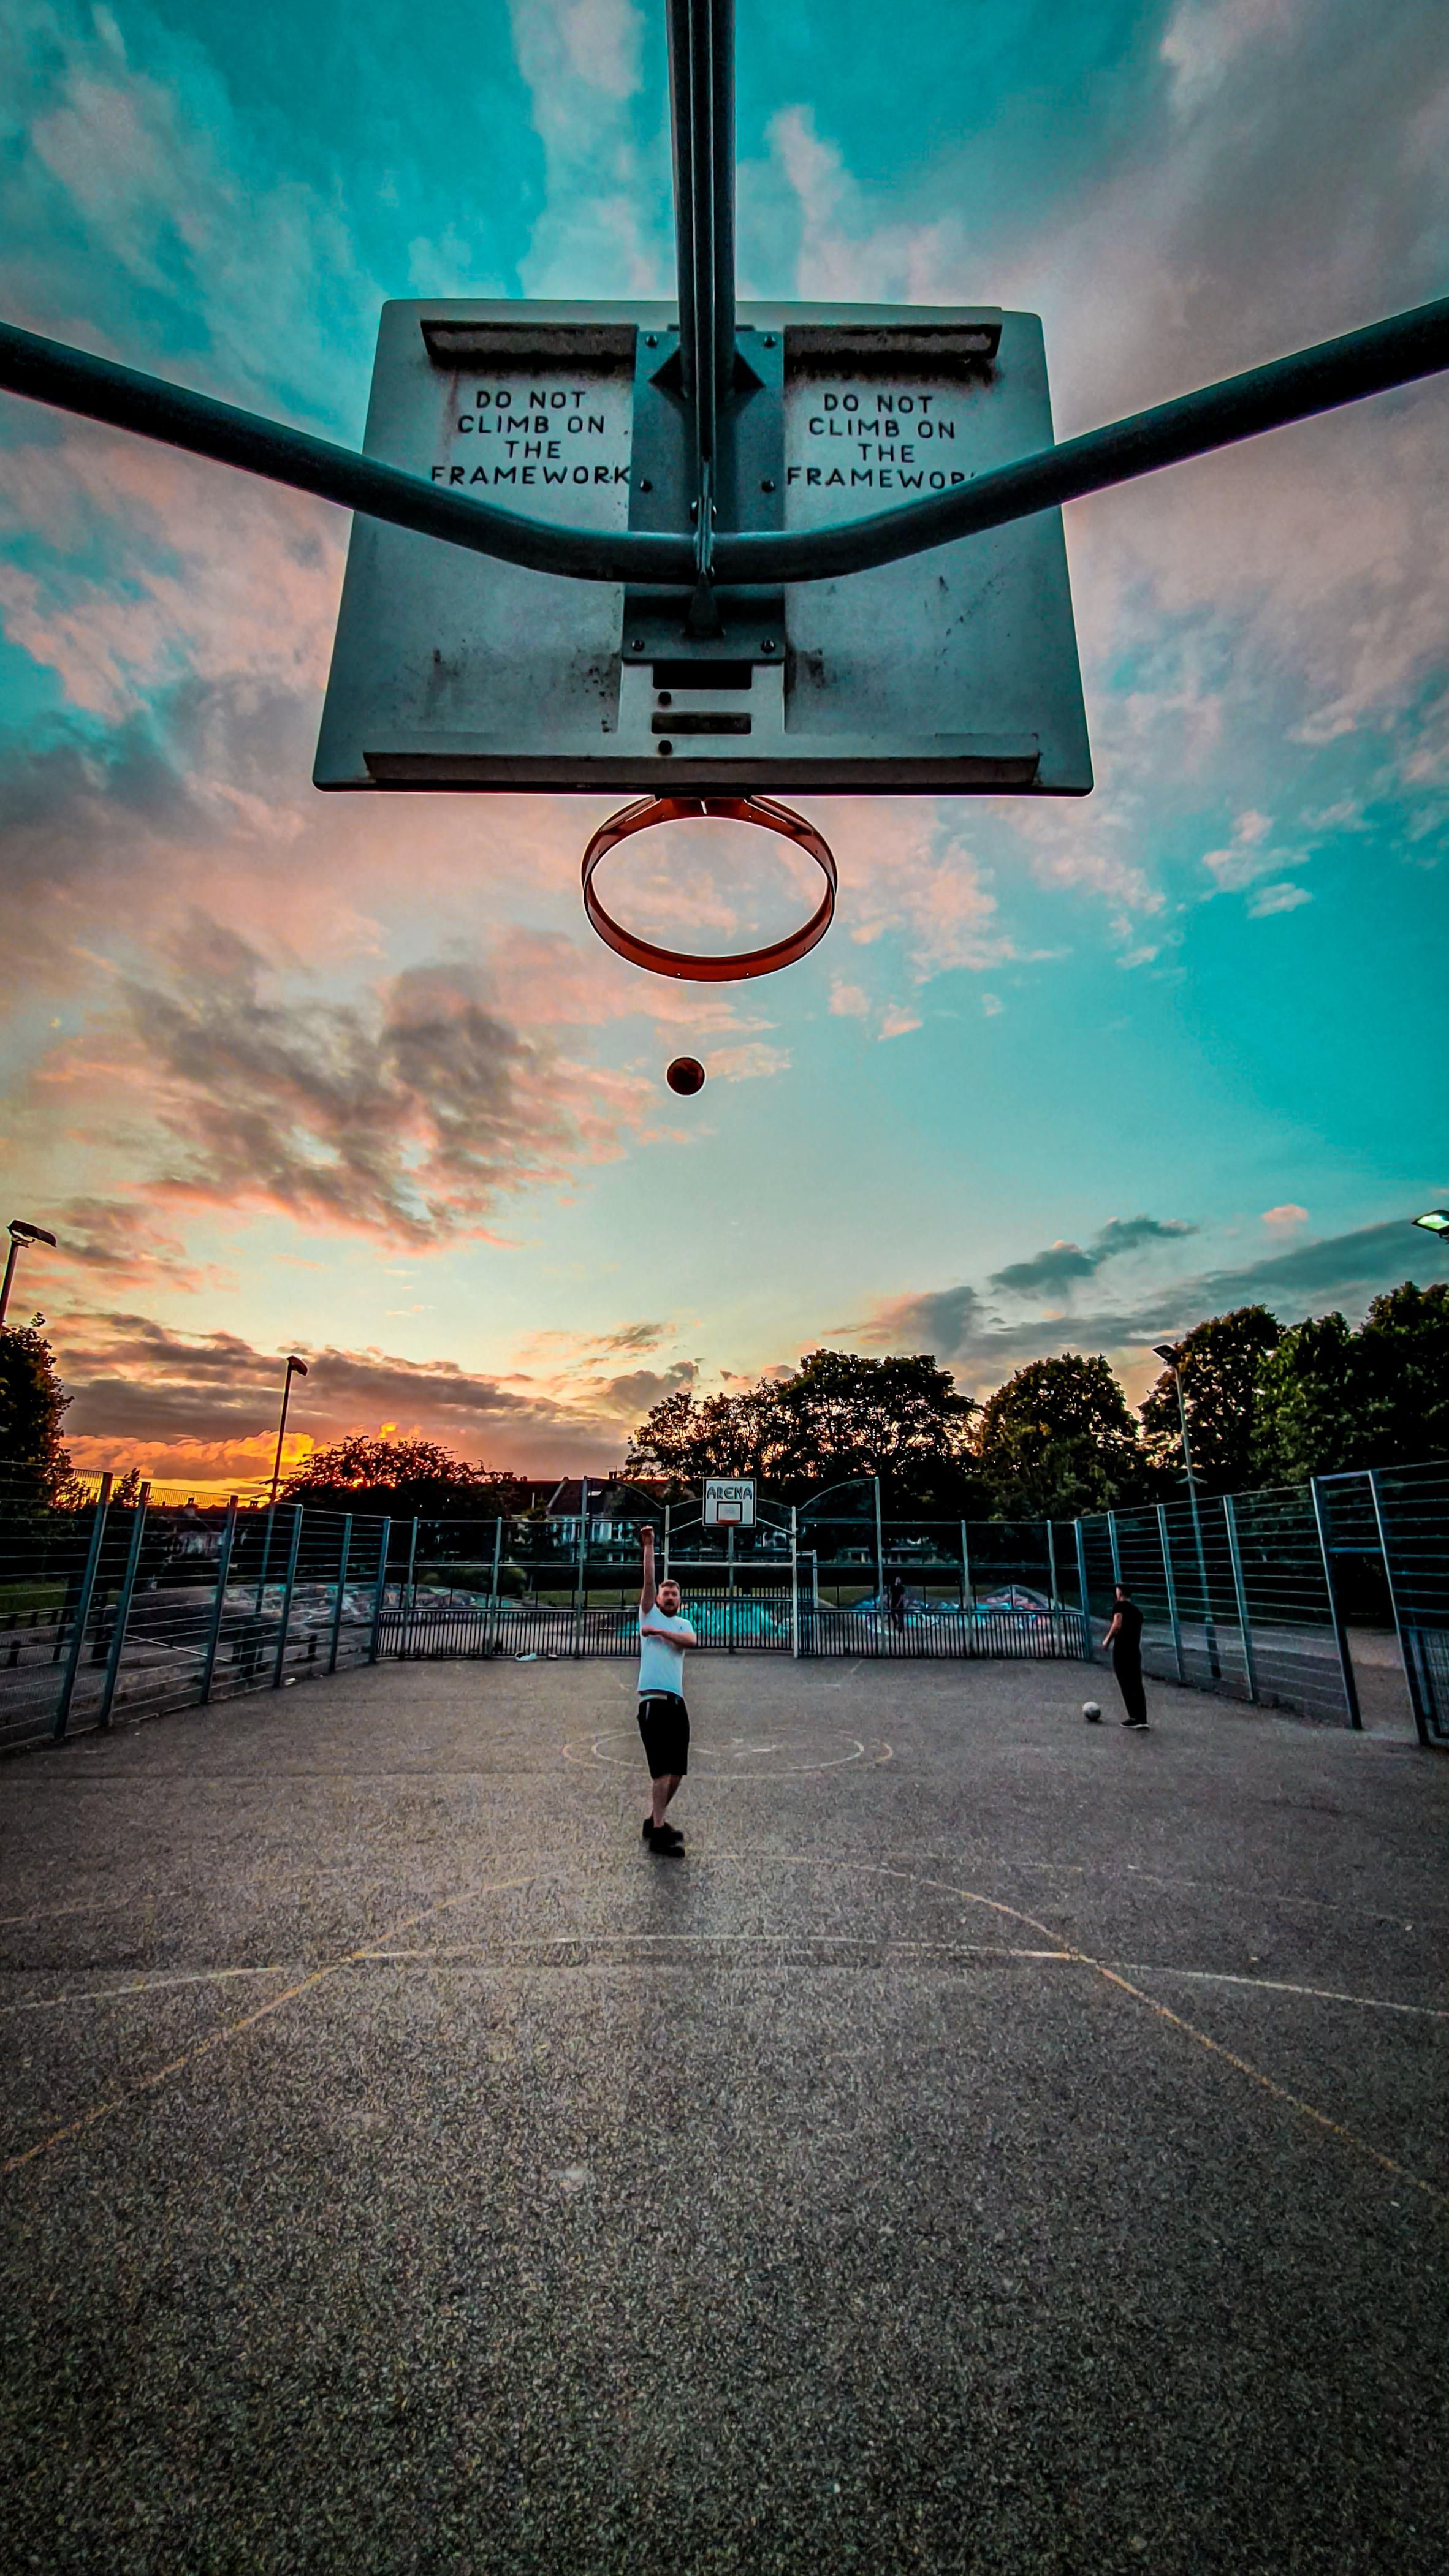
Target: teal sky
(284, 1072)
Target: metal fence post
(1245, 1631)
(1165, 1542)
(1052, 1559)
(288, 1582)
(1088, 1653)
(380, 1592)
(967, 1597)
(1340, 1632)
(123, 1606)
(1421, 1726)
(342, 1565)
(667, 1510)
(223, 1569)
(1116, 1551)
(83, 1606)
(412, 1583)
(794, 1583)
(490, 1633)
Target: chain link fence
(1325, 1598)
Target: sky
(352, 1078)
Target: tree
(1058, 1440)
(900, 1419)
(34, 1468)
(410, 1479)
(1331, 1399)
(838, 1417)
(1221, 1361)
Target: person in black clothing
(1125, 1639)
(897, 1604)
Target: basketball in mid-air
(685, 1075)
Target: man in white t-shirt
(663, 1717)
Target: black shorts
(664, 1726)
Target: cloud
(898, 1022)
(203, 1406)
(410, 1116)
(849, 1002)
(125, 1242)
(942, 1320)
(1267, 900)
(750, 1063)
(1061, 1265)
(1284, 1218)
(981, 1345)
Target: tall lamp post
(20, 1233)
(1168, 1351)
(295, 1368)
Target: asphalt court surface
(1001, 2143)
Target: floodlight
(1436, 1221)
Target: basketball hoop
(685, 963)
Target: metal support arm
(1397, 352)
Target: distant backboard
(954, 670)
(729, 1502)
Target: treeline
(1267, 1404)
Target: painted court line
(233, 2030)
(143, 1986)
(1279, 1986)
(1278, 2092)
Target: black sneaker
(648, 1827)
(667, 1840)
(1138, 1722)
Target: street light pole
(20, 1233)
(1167, 1351)
(295, 1368)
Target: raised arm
(648, 1590)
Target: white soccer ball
(1091, 1711)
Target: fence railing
(128, 1608)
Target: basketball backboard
(952, 670)
(729, 1502)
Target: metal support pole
(83, 1606)
(968, 1601)
(379, 1596)
(701, 106)
(1165, 1543)
(1340, 1632)
(123, 1606)
(1052, 1559)
(346, 1552)
(581, 1575)
(1399, 351)
(10, 1259)
(490, 1636)
(667, 1509)
(879, 1553)
(730, 1588)
(288, 1582)
(794, 1583)
(1116, 1550)
(1420, 1719)
(1245, 1631)
(1088, 1650)
(412, 1583)
(218, 1607)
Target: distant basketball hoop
(684, 963)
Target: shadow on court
(1000, 2144)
